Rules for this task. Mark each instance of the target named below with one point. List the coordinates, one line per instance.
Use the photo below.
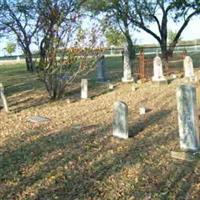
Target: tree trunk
(165, 56)
(131, 49)
(29, 60)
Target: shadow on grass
(146, 121)
(79, 164)
(28, 103)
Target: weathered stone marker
(101, 70)
(188, 118)
(188, 67)
(127, 76)
(38, 119)
(120, 120)
(84, 88)
(158, 76)
(3, 98)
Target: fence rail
(148, 50)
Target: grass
(74, 156)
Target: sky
(191, 32)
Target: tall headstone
(158, 76)
(120, 120)
(101, 70)
(3, 98)
(188, 67)
(127, 75)
(84, 88)
(188, 118)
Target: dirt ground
(75, 156)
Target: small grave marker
(84, 88)
(142, 110)
(110, 86)
(38, 119)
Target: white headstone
(3, 98)
(188, 118)
(120, 120)
(84, 88)
(188, 67)
(158, 70)
(127, 75)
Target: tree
(61, 61)
(10, 47)
(19, 17)
(116, 16)
(144, 12)
(114, 37)
(171, 35)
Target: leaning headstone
(127, 75)
(3, 100)
(188, 68)
(120, 120)
(101, 70)
(84, 88)
(158, 76)
(188, 118)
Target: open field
(74, 155)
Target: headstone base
(124, 80)
(102, 81)
(85, 99)
(120, 136)
(160, 82)
(191, 79)
(187, 156)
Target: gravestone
(84, 88)
(188, 118)
(38, 119)
(158, 76)
(120, 120)
(3, 101)
(101, 70)
(188, 67)
(127, 75)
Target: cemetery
(101, 147)
(82, 121)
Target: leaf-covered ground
(74, 155)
